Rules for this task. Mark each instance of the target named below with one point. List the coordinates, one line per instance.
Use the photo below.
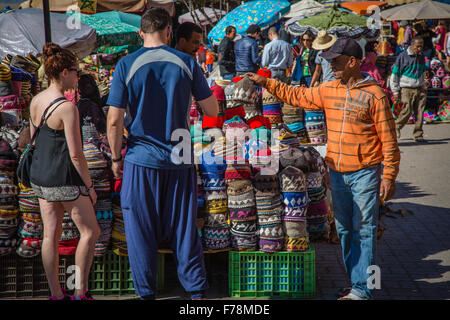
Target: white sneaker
(351, 296)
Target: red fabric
(218, 92)
(237, 79)
(236, 111)
(265, 72)
(212, 122)
(68, 248)
(117, 184)
(259, 121)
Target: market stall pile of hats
(315, 126)
(17, 76)
(317, 215)
(216, 233)
(70, 236)
(8, 199)
(295, 200)
(118, 238)
(31, 227)
(272, 108)
(99, 171)
(293, 119)
(269, 211)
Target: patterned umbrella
(116, 31)
(262, 13)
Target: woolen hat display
(267, 245)
(245, 92)
(215, 238)
(295, 229)
(238, 187)
(216, 219)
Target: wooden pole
(47, 26)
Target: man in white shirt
(277, 56)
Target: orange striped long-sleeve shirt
(360, 124)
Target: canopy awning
(418, 10)
(360, 7)
(211, 13)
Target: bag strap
(43, 119)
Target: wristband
(117, 160)
(91, 187)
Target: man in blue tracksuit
(246, 51)
(159, 197)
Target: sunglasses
(77, 70)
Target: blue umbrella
(262, 13)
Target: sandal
(351, 296)
(65, 296)
(86, 296)
(344, 291)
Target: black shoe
(419, 139)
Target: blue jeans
(356, 208)
(228, 76)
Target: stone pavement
(413, 253)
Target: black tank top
(52, 165)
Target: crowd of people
(150, 98)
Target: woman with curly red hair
(59, 173)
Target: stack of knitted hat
(295, 199)
(69, 237)
(31, 227)
(216, 233)
(269, 210)
(317, 215)
(293, 119)
(98, 169)
(271, 108)
(245, 93)
(287, 140)
(118, 239)
(242, 206)
(23, 76)
(8, 199)
(9, 99)
(315, 126)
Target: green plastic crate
(280, 274)
(111, 275)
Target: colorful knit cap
(244, 242)
(258, 121)
(238, 171)
(294, 157)
(292, 180)
(213, 122)
(245, 92)
(313, 180)
(9, 103)
(235, 111)
(238, 187)
(295, 229)
(297, 244)
(318, 210)
(215, 195)
(268, 98)
(266, 185)
(295, 199)
(216, 206)
(5, 73)
(252, 146)
(242, 214)
(216, 237)
(216, 219)
(313, 116)
(242, 201)
(266, 245)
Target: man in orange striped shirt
(361, 135)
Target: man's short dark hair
(254, 28)
(416, 38)
(186, 29)
(229, 29)
(273, 30)
(154, 20)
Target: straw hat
(324, 40)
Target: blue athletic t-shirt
(155, 85)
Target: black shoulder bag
(24, 166)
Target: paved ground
(414, 252)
